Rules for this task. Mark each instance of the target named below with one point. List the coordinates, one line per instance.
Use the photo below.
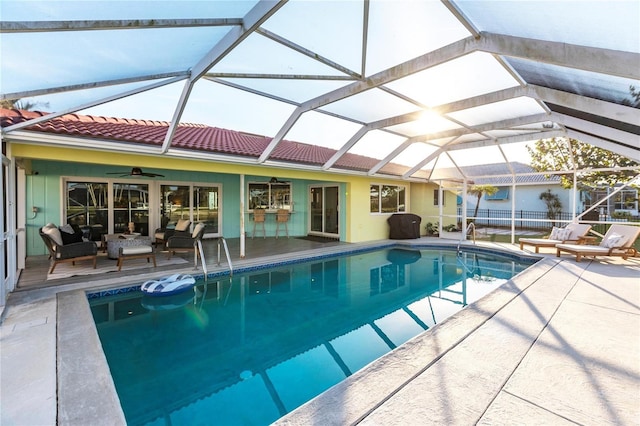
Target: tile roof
(193, 137)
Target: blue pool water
(248, 349)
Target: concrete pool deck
(558, 344)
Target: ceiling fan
(276, 180)
(136, 171)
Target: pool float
(167, 286)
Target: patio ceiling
(427, 84)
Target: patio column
(463, 218)
(440, 207)
(513, 210)
(574, 194)
(242, 251)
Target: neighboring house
(526, 195)
(527, 192)
(622, 203)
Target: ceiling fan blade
(135, 171)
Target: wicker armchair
(59, 252)
(185, 243)
(181, 228)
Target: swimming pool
(249, 349)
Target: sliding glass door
(131, 204)
(101, 207)
(323, 211)
(87, 205)
(175, 204)
(198, 203)
(206, 207)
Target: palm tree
(478, 190)
(20, 104)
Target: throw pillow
(53, 232)
(70, 238)
(182, 225)
(563, 234)
(67, 228)
(614, 240)
(554, 233)
(197, 229)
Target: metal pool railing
(204, 262)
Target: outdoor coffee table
(114, 242)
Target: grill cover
(404, 226)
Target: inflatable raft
(167, 286)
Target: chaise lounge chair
(618, 241)
(573, 232)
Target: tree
(478, 190)
(20, 104)
(565, 154)
(554, 206)
(635, 98)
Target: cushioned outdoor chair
(65, 246)
(183, 242)
(181, 227)
(573, 232)
(618, 241)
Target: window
(270, 195)
(87, 207)
(502, 194)
(436, 193)
(387, 198)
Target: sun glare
(429, 122)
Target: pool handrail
(471, 226)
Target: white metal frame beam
(251, 22)
(629, 152)
(92, 85)
(51, 116)
(420, 63)
(609, 62)
(112, 24)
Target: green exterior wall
(47, 166)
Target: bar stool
(282, 217)
(258, 217)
